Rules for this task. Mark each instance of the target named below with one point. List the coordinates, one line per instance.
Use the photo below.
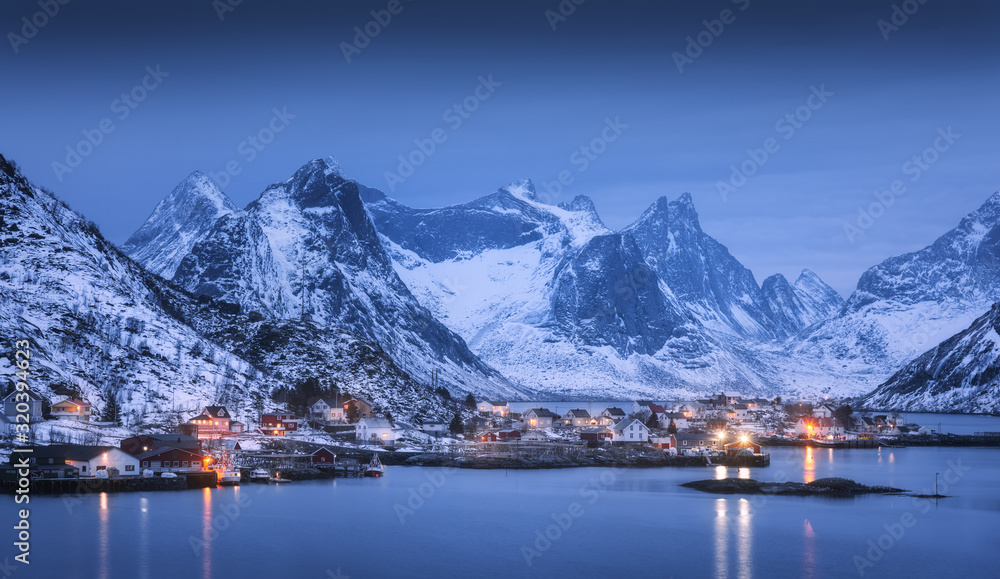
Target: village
(347, 437)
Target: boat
(278, 479)
(829, 443)
(259, 475)
(229, 478)
(375, 468)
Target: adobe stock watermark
(221, 522)
(363, 35)
(914, 168)
(582, 158)
(899, 17)
(896, 530)
(454, 117)
(253, 145)
(32, 25)
(563, 11)
(424, 492)
(564, 520)
(713, 29)
(786, 127)
(122, 107)
(223, 7)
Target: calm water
(479, 523)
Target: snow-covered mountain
(910, 303)
(103, 327)
(179, 221)
(715, 287)
(554, 299)
(962, 374)
(307, 248)
(791, 308)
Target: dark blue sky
(557, 90)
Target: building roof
(579, 413)
(217, 411)
(73, 401)
(614, 411)
(656, 408)
(626, 423)
(693, 436)
(202, 417)
(158, 451)
(331, 402)
(595, 430)
(543, 413)
(498, 403)
(376, 422)
(676, 415)
(31, 394)
(71, 451)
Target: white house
(691, 409)
(632, 430)
(576, 417)
(738, 412)
(90, 459)
(611, 416)
(539, 417)
(23, 401)
(327, 410)
(70, 409)
(694, 441)
(819, 427)
(493, 407)
(823, 411)
(434, 428)
(678, 418)
(374, 431)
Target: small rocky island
(822, 487)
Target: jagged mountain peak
(521, 189)
(179, 221)
(679, 212)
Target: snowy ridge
(962, 374)
(102, 327)
(179, 221)
(307, 247)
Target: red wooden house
(278, 423)
(324, 456)
(509, 435)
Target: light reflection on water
(206, 534)
(721, 539)
(103, 537)
(744, 541)
(809, 551)
(810, 466)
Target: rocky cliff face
(179, 221)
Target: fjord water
(487, 523)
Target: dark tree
(443, 392)
(388, 416)
(470, 401)
(112, 412)
(652, 421)
(456, 425)
(672, 428)
(844, 415)
(353, 414)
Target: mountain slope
(307, 248)
(962, 374)
(714, 286)
(179, 221)
(794, 307)
(102, 327)
(910, 303)
(552, 298)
